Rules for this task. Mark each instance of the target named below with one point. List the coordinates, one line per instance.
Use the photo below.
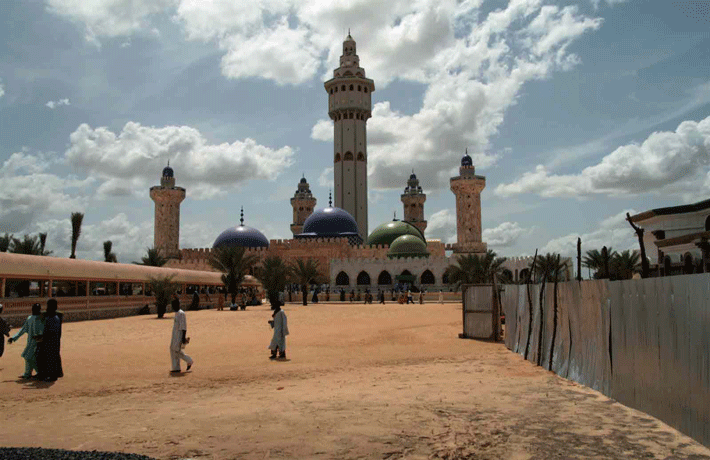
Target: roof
(683, 239)
(47, 267)
(682, 209)
(241, 236)
(386, 233)
(330, 222)
(408, 246)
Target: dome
(329, 222)
(407, 246)
(386, 233)
(466, 160)
(303, 180)
(241, 236)
(413, 176)
(167, 171)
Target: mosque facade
(337, 236)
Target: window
(348, 156)
(336, 89)
(337, 157)
(359, 88)
(363, 279)
(366, 89)
(384, 278)
(428, 278)
(342, 279)
(360, 157)
(331, 90)
(342, 88)
(352, 87)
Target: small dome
(168, 171)
(412, 176)
(303, 180)
(466, 160)
(407, 246)
(386, 233)
(241, 236)
(330, 222)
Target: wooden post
(49, 288)
(2, 288)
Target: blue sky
(575, 111)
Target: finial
(168, 161)
(330, 199)
(241, 220)
(466, 150)
(394, 217)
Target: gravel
(37, 453)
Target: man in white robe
(179, 337)
(278, 341)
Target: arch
(406, 273)
(352, 87)
(342, 279)
(331, 90)
(707, 224)
(688, 267)
(342, 88)
(363, 278)
(337, 157)
(384, 278)
(427, 277)
(348, 156)
(524, 273)
(350, 116)
(360, 156)
(336, 89)
(366, 89)
(667, 266)
(359, 88)
(507, 276)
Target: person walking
(220, 301)
(421, 297)
(441, 296)
(4, 330)
(179, 338)
(409, 297)
(33, 327)
(278, 340)
(195, 305)
(49, 359)
(381, 297)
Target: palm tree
(596, 261)
(76, 219)
(30, 245)
(234, 264)
(475, 269)
(108, 255)
(5, 242)
(152, 258)
(163, 289)
(624, 264)
(305, 273)
(549, 268)
(274, 274)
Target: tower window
(359, 88)
(360, 157)
(366, 89)
(337, 157)
(336, 90)
(348, 156)
(352, 87)
(342, 88)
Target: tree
(549, 268)
(274, 275)
(595, 260)
(42, 242)
(5, 242)
(108, 255)
(152, 258)
(76, 219)
(163, 289)
(475, 269)
(234, 264)
(645, 268)
(624, 264)
(305, 272)
(30, 245)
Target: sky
(576, 111)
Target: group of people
(44, 334)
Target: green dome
(408, 246)
(386, 233)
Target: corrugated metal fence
(644, 343)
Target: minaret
(467, 187)
(167, 199)
(349, 106)
(413, 200)
(303, 203)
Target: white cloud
(670, 162)
(322, 131)
(504, 235)
(2, 88)
(614, 232)
(326, 177)
(134, 158)
(596, 3)
(442, 225)
(53, 104)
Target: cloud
(53, 104)
(596, 3)
(133, 158)
(504, 235)
(322, 131)
(27, 191)
(326, 177)
(442, 225)
(2, 88)
(670, 162)
(614, 232)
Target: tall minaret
(349, 106)
(413, 200)
(167, 199)
(303, 203)
(467, 187)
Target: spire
(394, 217)
(330, 199)
(168, 161)
(241, 220)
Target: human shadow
(36, 384)
(178, 374)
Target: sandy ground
(362, 381)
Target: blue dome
(241, 236)
(413, 176)
(330, 223)
(167, 171)
(466, 160)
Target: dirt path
(362, 382)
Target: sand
(362, 381)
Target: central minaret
(167, 199)
(467, 187)
(349, 106)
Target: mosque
(337, 235)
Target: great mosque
(337, 235)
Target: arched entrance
(384, 278)
(363, 279)
(428, 277)
(342, 279)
